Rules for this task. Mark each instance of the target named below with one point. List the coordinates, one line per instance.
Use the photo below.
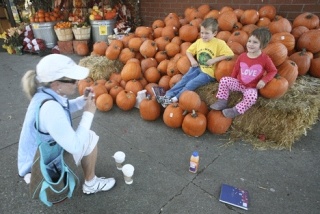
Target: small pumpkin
(217, 123)
(172, 49)
(110, 83)
(268, 11)
(249, 16)
(164, 82)
(114, 91)
(125, 55)
(239, 36)
(149, 109)
(98, 89)
(194, 124)
(82, 49)
(113, 51)
(152, 75)
(224, 35)
(83, 84)
(173, 115)
(134, 43)
(183, 64)
(99, 48)
(147, 63)
(133, 85)
(104, 102)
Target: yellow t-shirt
(209, 50)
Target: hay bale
(100, 67)
(281, 121)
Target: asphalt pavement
(283, 182)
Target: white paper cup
(119, 157)
(128, 171)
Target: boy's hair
(210, 23)
(263, 35)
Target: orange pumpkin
(227, 20)
(277, 52)
(126, 100)
(302, 60)
(224, 68)
(130, 71)
(309, 20)
(135, 43)
(289, 70)
(250, 16)
(188, 33)
(100, 48)
(189, 100)
(173, 115)
(148, 48)
(280, 24)
(310, 40)
(217, 123)
(98, 89)
(110, 83)
(315, 67)
(174, 79)
(133, 85)
(285, 38)
(113, 52)
(104, 102)
(268, 11)
(83, 84)
(162, 42)
(276, 88)
(164, 82)
(152, 75)
(82, 49)
(194, 124)
(125, 55)
(183, 64)
(239, 36)
(149, 109)
(169, 32)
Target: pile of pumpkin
(155, 56)
(45, 16)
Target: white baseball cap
(56, 66)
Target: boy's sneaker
(165, 101)
(101, 184)
(230, 112)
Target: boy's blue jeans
(193, 79)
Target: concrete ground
(278, 181)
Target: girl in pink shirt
(252, 71)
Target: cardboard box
(4, 25)
(65, 47)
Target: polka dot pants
(228, 84)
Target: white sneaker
(101, 184)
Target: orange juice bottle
(194, 162)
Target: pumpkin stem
(194, 114)
(185, 112)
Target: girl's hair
(263, 35)
(210, 23)
(30, 84)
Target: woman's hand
(90, 105)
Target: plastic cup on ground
(128, 171)
(119, 157)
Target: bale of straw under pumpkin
(274, 123)
(100, 67)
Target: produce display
(155, 56)
(44, 16)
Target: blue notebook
(234, 196)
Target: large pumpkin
(126, 100)
(188, 33)
(227, 20)
(250, 16)
(239, 36)
(173, 115)
(98, 89)
(277, 52)
(310, 40)
(287, 39)
(189, 100)
(149, 109)
(104, 102)
(217, 123)
(289, 70)
(224, 68)
(280, 24)
(309, 20)
(133, 85)
(183, 64)
(303, 61)
(276, 88)
(194, 124)
(130, 71)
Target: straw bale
(280, 121)
(100, 67)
